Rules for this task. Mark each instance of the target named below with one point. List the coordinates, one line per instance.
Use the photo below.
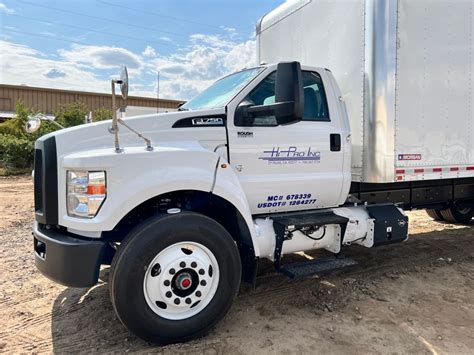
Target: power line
(48, 37)
(104, 19)
(159, 14)
(96, 31)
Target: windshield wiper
(183, 109)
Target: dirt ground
(415, 297)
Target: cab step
(317, 266)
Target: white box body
(405, 69)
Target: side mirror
(124, 83)
(289, 90)
(289, 99)
(33, 124)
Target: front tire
(458, 215)
(174, 277)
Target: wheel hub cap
(185, 282)
(181, 280)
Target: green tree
(72, 114)
(102, 114)
(17, 146)
(16, 125)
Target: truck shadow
(83, 319)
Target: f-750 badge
(208, 121)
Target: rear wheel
(174, 277)
(458, 214)
(435, 214)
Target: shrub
(16, 152)
(17, 146)
(16, 125)
(102, 114)
(72, 114)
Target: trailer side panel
(434, 120)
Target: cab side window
(315, 102)
(264, 94)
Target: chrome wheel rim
(181, 280)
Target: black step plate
(316, 266)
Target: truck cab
(296, 165)
(257, 166)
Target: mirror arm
(56, 123)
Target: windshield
(220, 93)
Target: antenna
(158, 92)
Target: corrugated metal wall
(49, 100)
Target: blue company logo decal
(291, 155)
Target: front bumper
(66, 259)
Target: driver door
(289, 167)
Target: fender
(135, 176)
(227, 186)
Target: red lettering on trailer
(409, 156)
(419, 170)
(454, 169)
(400, 171)
(437, 170)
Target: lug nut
(167, 283)
(182, 264)
(188, 300)
(172, 271)
(203, 283)
(201, 271)
(169, 294)
(194, 264)
(177, 301)
(198, 293)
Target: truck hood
(163, 129)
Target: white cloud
(22, 65)
(102, 57)
(183, 73)
(149, 52)
(5, 9)
(189, 71)
(55, 73)
(231, 31)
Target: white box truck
(268, 161)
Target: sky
(81, 44)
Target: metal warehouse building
(48, 101)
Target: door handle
(335, 142)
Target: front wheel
(174, 277)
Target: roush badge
(244, 134)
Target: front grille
(46, 181)
(38, 180)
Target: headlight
(86, 191)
